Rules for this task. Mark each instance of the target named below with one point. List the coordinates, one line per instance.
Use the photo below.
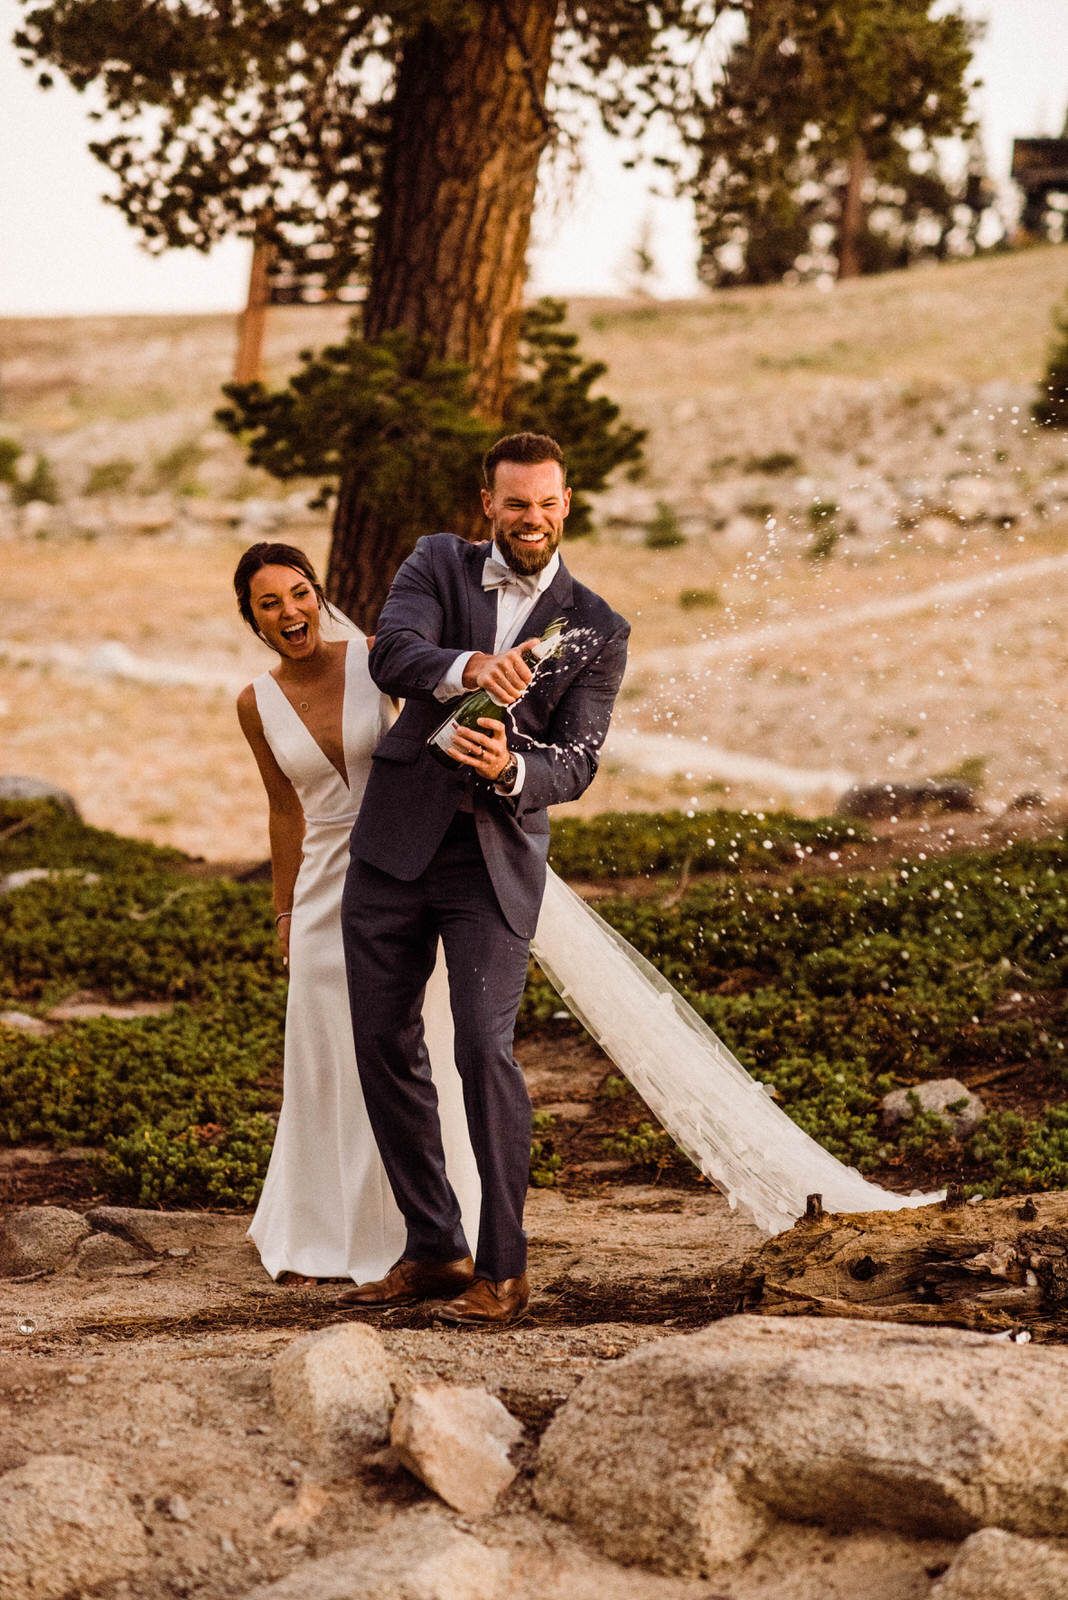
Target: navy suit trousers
(391, 930)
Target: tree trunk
(248, 368)
(448, 263)
(852, 219)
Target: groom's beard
(523, 558)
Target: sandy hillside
(870, 581)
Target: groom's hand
(486, 753)
(505, 675)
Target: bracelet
(280, 915)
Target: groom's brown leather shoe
(486, 1304)
(408, 1282)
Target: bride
(326, 1210)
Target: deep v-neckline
(344, 776)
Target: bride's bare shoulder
(248, 712)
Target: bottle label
(444, 736)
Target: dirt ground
(163, 1378)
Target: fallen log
(992, 1265)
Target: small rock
(456, 1441)
(27, 875)
(418, 1556)
(103, 1253)
(334, 1392)
(994, 1565)
(38, 1239)
(175, 1506)
(24, 1023)
(936, 1096)
(18, 788)
(75, 1010)
(64, 1527)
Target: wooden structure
(295, 279)
(1040, 167)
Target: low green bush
(39, 833)
(639, 844)
(830, 990)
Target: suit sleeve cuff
(520, 774)
(452, 684)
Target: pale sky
(62, 250)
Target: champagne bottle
(480, 703)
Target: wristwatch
(506, 778)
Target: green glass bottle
(480, 703)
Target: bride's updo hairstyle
(271, 555)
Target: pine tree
(407, 135)
(827, 109)
(1051, 407)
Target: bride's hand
(486, 753)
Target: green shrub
(10, 451)
(40, 485)
(182, 1164)
(177, 468)
(1051, 407)
(109, 477)
(830, 990)
(663, 531)
(39, 833)
(638, 844)
(775, 463)
(545, 1164)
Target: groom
(460, 854)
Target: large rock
(993, 1565)
(457, 1442)
(161, 1231)
(936, 1096)
(674, 1454)
(334, 1391)
(418, 1557)
(39, 1239)
(64, 1527)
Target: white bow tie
(496, 575)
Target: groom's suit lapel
(482, 602)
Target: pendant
(304, 705)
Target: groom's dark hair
(529, 449)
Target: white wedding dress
(326, 1210)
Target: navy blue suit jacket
(436, 610)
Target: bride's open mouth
(296, 633)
